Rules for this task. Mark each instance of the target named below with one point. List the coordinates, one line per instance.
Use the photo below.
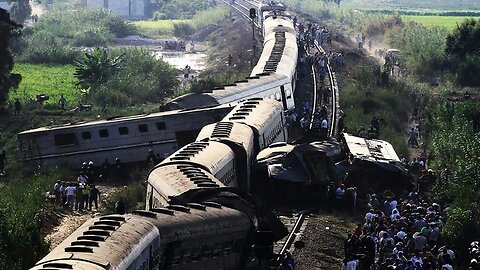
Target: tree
(21, 10)
(95, 68)
(8, 30)
(465, 39)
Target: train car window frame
(161, 125)
(143, 128)
(103, 133)
(65, 139)
(123, 130)
(86, 135)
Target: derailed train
(198, 214)
(130, 138)
(193, 220)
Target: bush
(159, 16)
(140, 77)
(183, 9)
(57, 32)
(183, 29)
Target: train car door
(284, 98)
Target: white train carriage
(279, 55)
(239, 137)
(266, 119)
(214, 157)
(128, 138)
(165, 183)
(200, 236)
(258, 86)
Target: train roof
(210, 154)
(114, 120)
(238, 133)
(171, 181)
(115, 241)
(370, 149)
(101, 243)
(232, 93)
(254, 112)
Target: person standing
(120, 206)
(62, 102)
(18, 107)
(3, 160)
(70, 192)
(93, 197)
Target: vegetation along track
(330, 85)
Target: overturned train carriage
(126, 138)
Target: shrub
(140, 77)
(183, 29)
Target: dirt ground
(68, 221)
(324, 237)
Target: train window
(278, 96)
(143, 128)
(103, 133)
(65, 139)
(289, 93)
(86, 135)
(123, 130)
(161, 126)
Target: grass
(414, 4)
(50, 80)
(160, 27)
(449, 22)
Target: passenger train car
(126, 138)
(260, 123)
(199, 233)
(195, 236)
(273, 77)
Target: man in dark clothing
(152, 158)
(120, 206)
(93, 197)
(331, 197)
(3, 159)
(105, 170)
(18, 107)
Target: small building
(131, 9)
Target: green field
(50, 80)
(449, 22)
(414, 4)
(160, 27)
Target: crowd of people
(400, 234)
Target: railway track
(243, 7)
(329, 85)
(295, 225)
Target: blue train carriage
(239, 137)
(167, 182)
(128, 138)
(197, 236)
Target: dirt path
(69, 221)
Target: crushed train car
(305, 164)
(372, 164)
